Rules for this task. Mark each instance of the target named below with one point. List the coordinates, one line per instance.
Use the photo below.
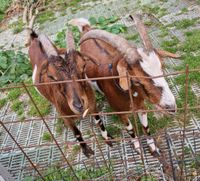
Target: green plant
(46, 136)
(108, 24)
(185, 23)
(45, 16)
(56, 173)
(59, 126)
(17, 106)
(43, 105)
(148, 178)
(170, 45)
(17, 26)
(14, 67)
(113, 130)
(3, 6)
(14, 94)
(2, 102)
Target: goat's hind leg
(131, 132)
(85, 148)
(104, 132)
(150, 141)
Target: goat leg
(131, 132)
(150, 141)
(108, 138)
(87, 151)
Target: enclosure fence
(177, 165)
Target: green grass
(43, 105)
(3, 6)
(45, 16)
(183, 24)
(59, 126)
(17, 26)
(170, 45)
(3, 102)
(55, 173)
(46, 136)
(17, 106)
(113, 130)
(14, 94)
(156, 10)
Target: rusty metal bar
(170, 155)
(102, 113)
(98, 78)
(135, 119)
(185, 117)
(99, 146)
(27, 157)
(49, 130)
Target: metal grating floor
(125, 161)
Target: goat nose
(78, 106)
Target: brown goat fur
(69, 98)
(107, 60)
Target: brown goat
(112, 55)
(71, 97)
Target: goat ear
(121, 69)
(164, 54)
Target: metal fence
(180, 147)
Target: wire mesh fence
(179, 159)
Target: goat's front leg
(150, 141)
(131, 132)
(104, 133)
(85, 148)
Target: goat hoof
(87, 151)
(110, 141)
(155, 153)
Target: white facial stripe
(130, 126)
(34, 78)
(152, 66)
(143, 119)
(34, 73)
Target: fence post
(185, 117)
(52, 136)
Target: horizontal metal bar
(98, 78)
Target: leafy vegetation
(17, 26)
(3, 6)
(55, 173)
(46, 136)
(183, 24)
(14, 67)
(45, 16)
(43, 105)
(14, 94)
(59, 126)
(2, 102)
(156, 10)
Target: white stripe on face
(34, 78)
(34, 73)
(152, 66)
